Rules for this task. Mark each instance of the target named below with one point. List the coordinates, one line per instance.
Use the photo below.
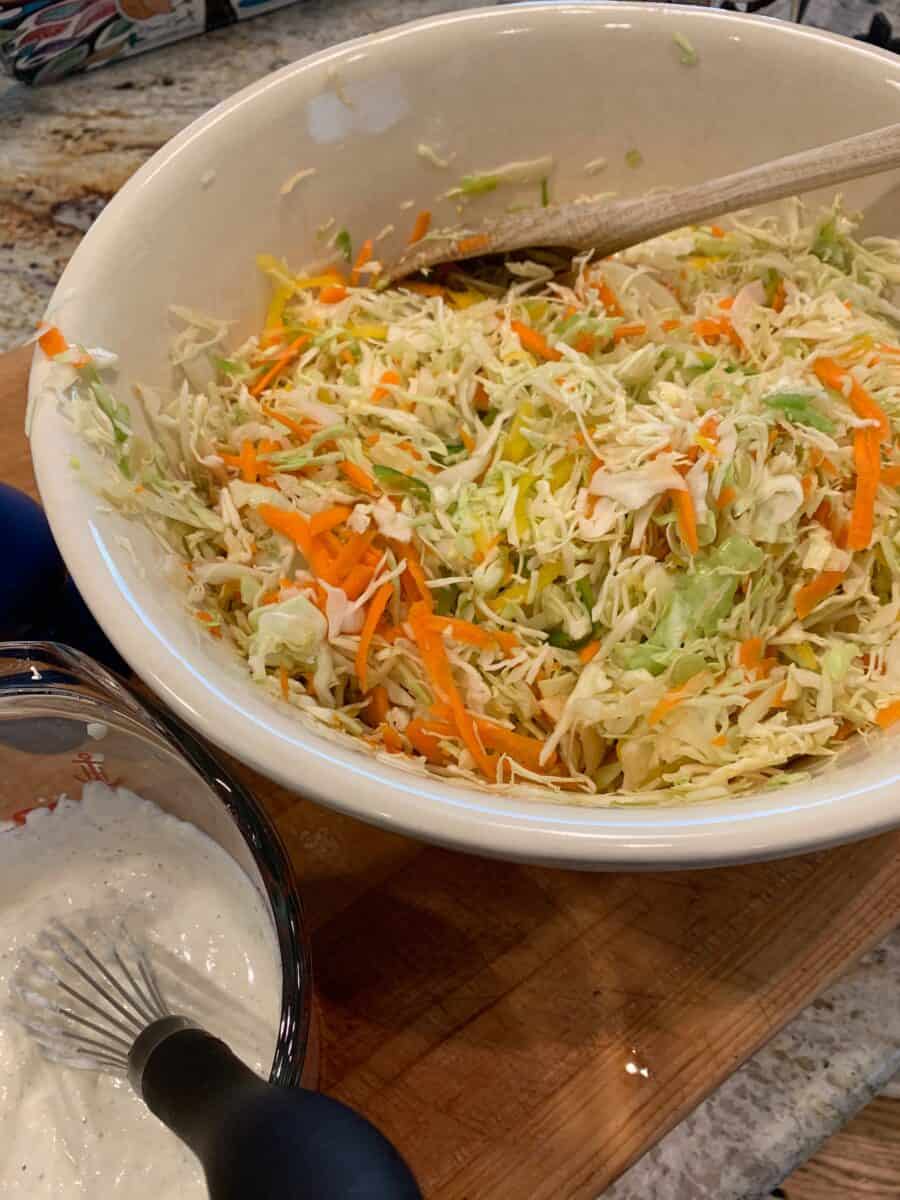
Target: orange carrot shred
(889, 715)
(626, 331)
(726, 497)
(473, 244)
(352, 553)
(333, 293)
(780, 297)
(607, 297)
(687, 518)
(278, 366)
(52, 342)
(377, 708)
(283, 681)
(330, 518)
(717, 231)
(833, 375)
(867, 460)
(535, 342)
(669, 701)
(436, 663)
(721, 740)
(248, 462)
(357, 580)
(474, 635)
(425, 741)
(814, 592)
(421, 226)
(588, 652)
(382, 390)
(358, 477)
(890, 475)
(392, 740)
(377, 605)
(364, 256)
(304, 432)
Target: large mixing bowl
(578, 81)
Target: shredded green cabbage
(622, 485)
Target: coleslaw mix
(622, 530)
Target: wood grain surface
(527, 1033)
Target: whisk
(94, 1002)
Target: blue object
(38, 598)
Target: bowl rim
(762, 825)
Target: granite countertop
(64, 151)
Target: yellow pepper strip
(523, 487)
(517, 446)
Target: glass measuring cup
(65, 721)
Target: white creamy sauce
(68, 1133)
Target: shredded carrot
(721, 740)
(414, 580)
(383, 388)
(726, 303)
(467, 440)
(377, 708)
(526, 750)
(472, 245)
(591, 650)
(52, 342)
(334, 293)
(421, 226)
(372, 439)
(669, 701)
(891, 475)
(607, 296)
(249, 469)
(717, 231)
(426, 741)
(304, 432)
(283, 681)
(780, 297)
(330, 518)
(727, 496)
(278, 366)
(357, 580)
(717, 327)
(670, 324)
(292, 524)
(808, 482)
(364, 256)
(535, 342)
(474, 635)
(436, 663)
(352, 552)
(392, 740)
(358, 477)
(889, 715)
(585, 343)
(687, 518)
(867, 460)
(833, 376)
(626, 331)
(814, 592)
(750, 657)
(204, 616)
(377, 605)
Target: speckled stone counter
(64, 151)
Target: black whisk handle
(259, 1141)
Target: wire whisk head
(85, 999)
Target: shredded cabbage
(617, 517)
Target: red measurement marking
(21, 816)
(90, 769)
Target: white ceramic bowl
(487, 86)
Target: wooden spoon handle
(607, 227)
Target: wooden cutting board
(524, 1033)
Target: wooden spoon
(606, 226)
